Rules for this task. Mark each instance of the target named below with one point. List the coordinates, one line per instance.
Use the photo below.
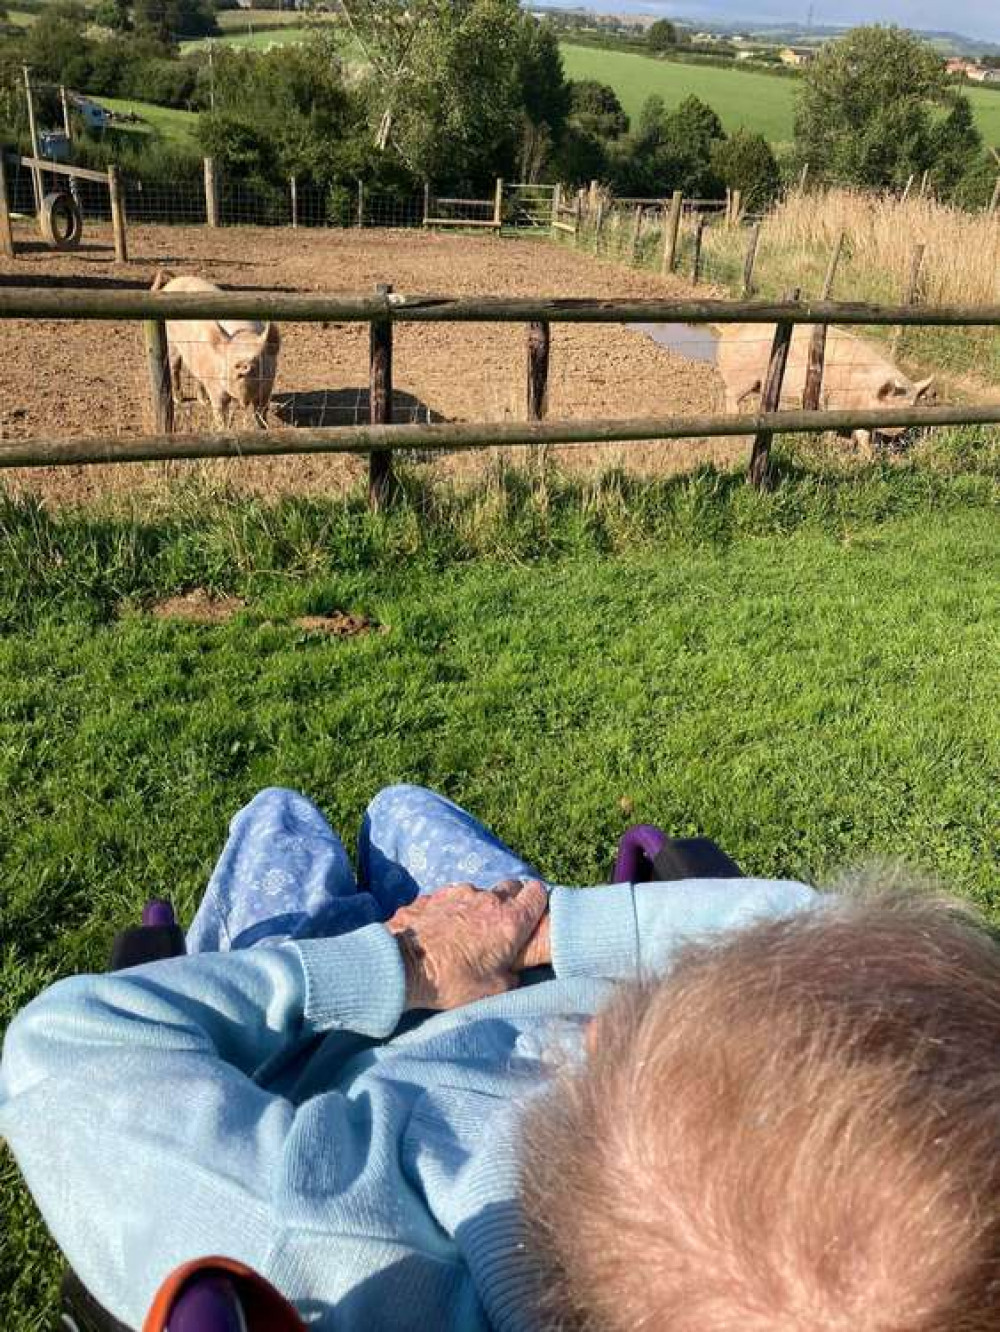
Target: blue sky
(974, 18)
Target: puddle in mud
(695, 341)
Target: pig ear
(923, 388)
(269, 338)
(218, 338)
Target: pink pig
(231, 360)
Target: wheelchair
(219, 1295)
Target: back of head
(797, 1130)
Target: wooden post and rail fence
(384, 309)
(39, 167)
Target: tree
(595, 109)
(168, 20)
(446, 85)
(672, 150)
(747, 163)
(114, 14)
(956, 145)
(865, 113)
(662, 35)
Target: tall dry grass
(961, 263)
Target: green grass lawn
(809, 676)
(175, 127)
(762, 102)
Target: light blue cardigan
(274, 1105)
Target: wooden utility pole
(539, 345)
(381, 478)
(759, 473)
(671, 232)
(36, 175)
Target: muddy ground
(78, 378)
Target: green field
(762, 102)
(808, 676)
(260, 39)
(175, 127)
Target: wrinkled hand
(461, 944)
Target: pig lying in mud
(233, 361)
(857, 376)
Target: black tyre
(62, 220)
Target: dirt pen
(63, 379)
(78, 378)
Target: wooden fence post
(427, 201)
(636, 233)
(361, 203)
(699, 236)
(381, 478)
(759, 472)
(751, 261)
(117, 214)
(539, 344)
(6, 233)
(598, 226)
(816, 363)
(160, 384)
(498, 206)
(577, 219)
(803, 178)
(211, 193)
(911, 291)
(293, 194)
(671, 231)
(995, 202)
(925, 183)
(908, 188)
(556, 204)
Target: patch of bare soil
(198, 607)
(83, 378)
(338, 624)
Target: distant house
(796, 56)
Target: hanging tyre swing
(61, 220)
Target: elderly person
(714, 1107)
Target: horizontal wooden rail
(466, 203)
(63, 303)
(452, 437)
(459, 222)
(59, 168)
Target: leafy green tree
(866, 104)
(596, 110)
(168, 20)
(55, 47)
(446, 85)
(545, 97)
(662, 36)
(956, 145)
(114, 14)
(671, 150)
(747, 163)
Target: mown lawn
(810, 677)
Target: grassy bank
(809, 676)
(177, 128)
